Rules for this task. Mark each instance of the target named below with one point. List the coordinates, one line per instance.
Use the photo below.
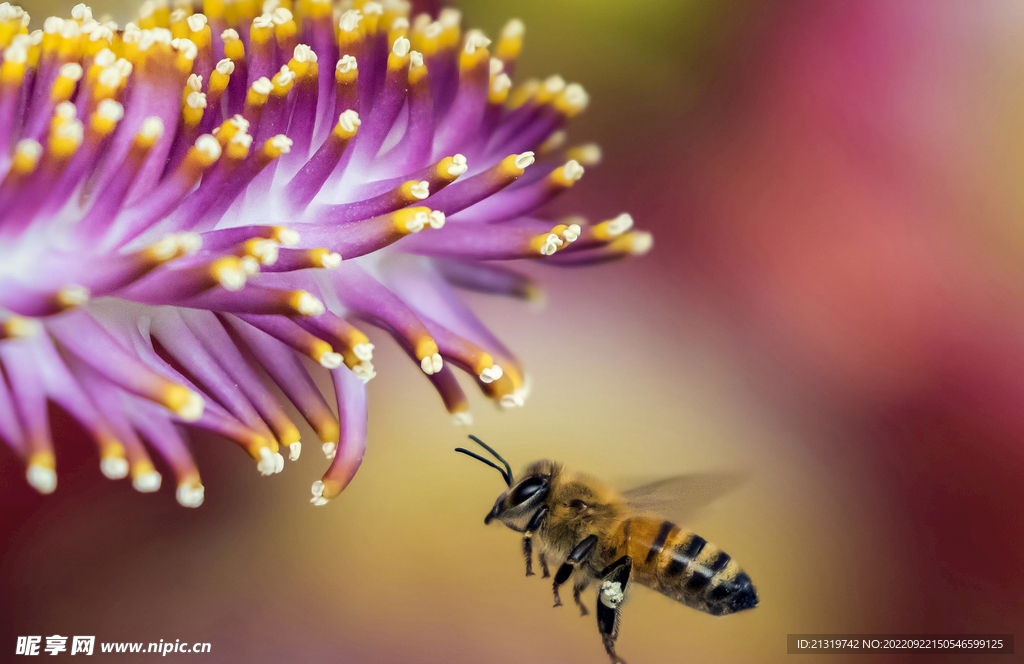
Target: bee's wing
(679, 498)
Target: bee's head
(516, 505)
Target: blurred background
(833, 306)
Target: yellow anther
(523, 93)
(18, 327)
(450, 168)
(238, 147)
(425, 347)
(347, 125)
(515, 165)
(323, 258)
(411, 220)
(65, 139)
(613, 228)
(234, 48)
(511, 41)
(276, 146)
(283, 82)
(26, 156)
(566, 175)
(634, 242)
(259, 92)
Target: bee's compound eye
(527, 488)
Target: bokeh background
(833, 307)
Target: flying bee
(596, 533)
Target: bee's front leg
(577, 556)
(535, 523)
(614, 580)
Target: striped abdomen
(684, 566)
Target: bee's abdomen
(686, 567)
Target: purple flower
(194, 203)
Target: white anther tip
(346, 64)
(514, 28)
(573, 170)
(525, 159)
(267, 465)
(308, 305)
(190, 495)
(288, 237)
(114, 468)
(491, 374)
(209, 146)
(153, 128)
(365, 372)
(420, 190)
(349, 21)
(330, 260)
(349, 120)
(193, 408)
(620, 224)
(330, 450)
(41, 478)
(642, 242)
(262, 85)
(432, 364)
(294, 451)
(148, 482)
(401, 47)
(318, 494)
(458, 166)
(331, 360)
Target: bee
(599, 534)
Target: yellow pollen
(229, 272)
(18, 327)
(411, 220)
(26, 156)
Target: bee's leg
(535, 522)
(576, 556)
(543, 560)
(614, 580)
(578, 586)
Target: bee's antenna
(508, 469)
(506, 473)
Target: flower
(192, 201)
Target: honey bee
(615, 538)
